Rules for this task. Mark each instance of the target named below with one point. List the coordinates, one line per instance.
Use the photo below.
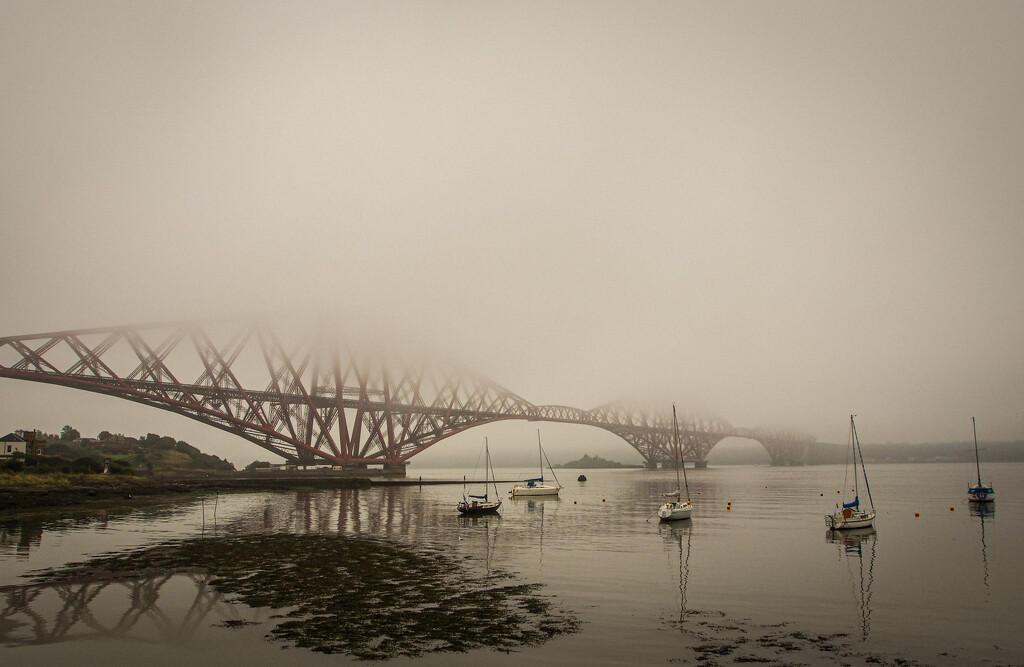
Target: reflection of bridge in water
(327, 570)
(313, 400)
(173, 605)
(158, 608)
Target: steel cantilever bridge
(313, 400)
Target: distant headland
(589, 461)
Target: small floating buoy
(917, 514)
(602, 500)
(574, 502)
(950, 508)
(822, 493)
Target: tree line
(68, 452)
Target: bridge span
(313, 399)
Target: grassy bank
(19, 491)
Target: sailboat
(979, 493)
(850, 515)
(479, 504)
(536, 486)
(676, 509)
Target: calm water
(753, 577)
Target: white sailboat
(536, 485)
(979, 493)
(851, 515)
(676, 509)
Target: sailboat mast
(540, 456)
(853, 448)
(487, 463)
(679, 453)
(675, 443)
(977, 463)
(863, 469)
(489, 469)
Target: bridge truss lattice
(313, 398)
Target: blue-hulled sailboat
(979, 493)
(481, 504)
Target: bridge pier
(651, 465)
(700, 465)
(394, 469)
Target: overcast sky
(778, 212)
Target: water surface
(590, 578)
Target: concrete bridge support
(394, 469)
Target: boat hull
(981, 495)
(675, 511)
(536, 490)
(849, 519)
(474, 508)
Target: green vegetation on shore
(150, 454)
(62, 481)
(31, 491)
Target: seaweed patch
(712, 638)
(368, 598)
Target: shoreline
(43, 491)
(73, 491)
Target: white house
(23, 442)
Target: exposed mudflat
(358, 596)
(711, 638)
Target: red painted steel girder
(314, 399)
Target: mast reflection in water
(984, 511)
(851, 544)
(676, 534)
